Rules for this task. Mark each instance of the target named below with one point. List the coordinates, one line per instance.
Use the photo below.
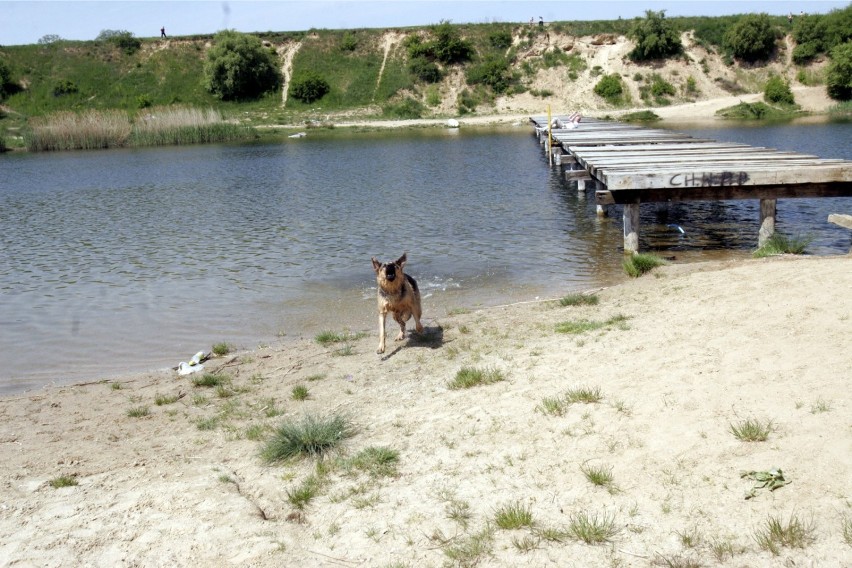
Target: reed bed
(88, 130)
(163, 126)
(159, 126)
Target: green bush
(655, 37)
(424, 69)
(500, 39)
(349, 42)
(804, 53)
(5, 78)
(662, 88)
(64, 87)
(610, 87)
(839, 78)
(122, 39)
(407, 108)
(447, 46)
(752, 38)
(778, 91)
(238, 67)
(493, 71)
(309, 87)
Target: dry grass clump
(87, 130)
(775, 533)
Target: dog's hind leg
(416, 313)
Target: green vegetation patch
(584, 325)
(310, 437)
(468, 377)
(638, 264)
(780, 244)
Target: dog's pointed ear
(376, 264)
(402, 260)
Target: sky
(26, 21)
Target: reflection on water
(133, 259)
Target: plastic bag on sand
(193, 366)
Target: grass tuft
(138, 412)
(300, 392)
(311, 437)
(210, 380)
(377, 461)
(577, 327)
(752, 430)
(775, 534)
(598, 475)
(513, 516)
(162, 399)
(221, 349)
(586, 395)
(592, 529)
(579, 300)
(470, 550)
(63, 481)
(468, 377)
(779, 244)
(638, 264)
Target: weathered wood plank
(717, 193)
(842, 220)
(709, 177)
(724, 160)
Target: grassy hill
(369, 73)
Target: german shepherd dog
(399, 295)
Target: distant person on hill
(163, 32)
(540, 22)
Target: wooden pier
(629, 165)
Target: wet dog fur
(398, 295)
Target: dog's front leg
(381, 348)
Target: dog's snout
(390, 271)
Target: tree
(839, 77)
(655, 37)
(308, 87)
(238, 67)
(752, 38)
(448, 47)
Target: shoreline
(700, 348)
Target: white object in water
(298, 135)
(453, 123)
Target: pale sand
(704, 346)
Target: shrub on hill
(5, 78)
(494, 72)
(424, 69)
(839, 77)
(238, 67)
(778, 91)
(309, 87)
(610, 87)
(122, 39)
(752, 38)
(655, 37)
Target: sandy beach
(165, 473)
(607, 437)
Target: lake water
(122, 261)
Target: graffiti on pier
(708, 179)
